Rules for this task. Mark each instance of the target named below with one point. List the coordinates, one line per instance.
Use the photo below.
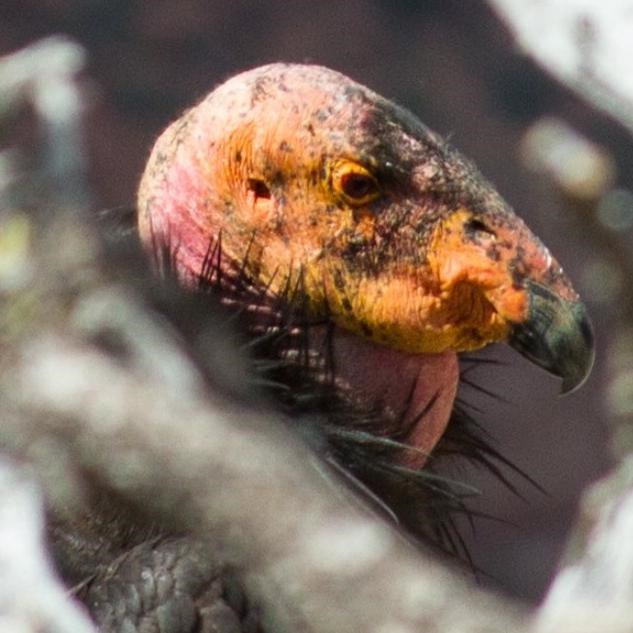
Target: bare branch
(315, 557)
(31, 597)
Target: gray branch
(310, 551)
(31, 597)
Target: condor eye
(354, 183)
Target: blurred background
(455, 65)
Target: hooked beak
(556, 335)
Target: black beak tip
(557, 336)
(577, 368)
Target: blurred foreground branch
(238, 481)
(31, 598)
(585, 45)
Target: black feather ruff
(254, 347)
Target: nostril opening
(476, 228)
(475, 225)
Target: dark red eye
(358, 186)
(259, 188)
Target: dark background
(455, 66)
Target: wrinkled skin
(313, 182)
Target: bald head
(305, 174)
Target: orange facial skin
(314, 181)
